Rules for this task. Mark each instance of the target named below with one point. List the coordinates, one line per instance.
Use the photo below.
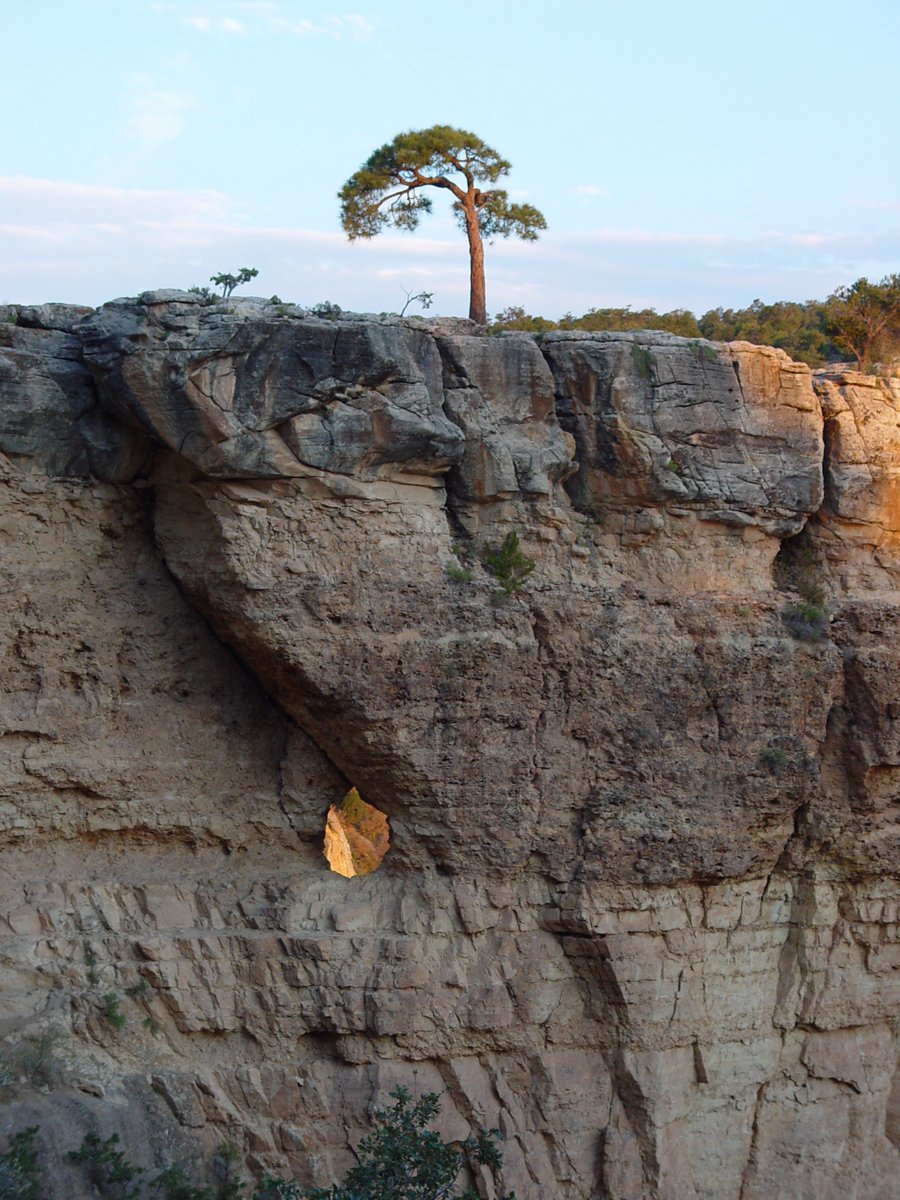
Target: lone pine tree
(387, 190)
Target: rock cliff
(640, 909)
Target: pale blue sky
(685, 155)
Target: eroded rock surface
(640, 909)
(857, 530)
(251, 399)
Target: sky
(685, 155)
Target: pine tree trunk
(477, 303)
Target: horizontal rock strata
(640, 910)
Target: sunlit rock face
(733, 434)
(639, 909)
(357, 836)
(337, 846)
(857, 531)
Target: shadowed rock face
(640, 905)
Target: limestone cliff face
(640, 909)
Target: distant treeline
(805, 331)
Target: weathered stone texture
(500, 393)
(50, 420)
(857, 530)
(640, 910)
(254, 398)
(732, 432)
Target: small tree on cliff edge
(387, 190)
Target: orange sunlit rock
(357, 836)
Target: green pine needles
(402, 1159)
(228, 282)
(108, 1168)
(393, 189)
(20, 1176)
(508, 564)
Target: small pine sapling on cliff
(508, 564)
(20, 1175)
(109, 1170)
(402, 1159)
(426, 299)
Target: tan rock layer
(641, 907)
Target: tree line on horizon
(861, 322)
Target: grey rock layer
(270, 395)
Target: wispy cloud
(239, 17)
(674, 269)
(891, 205)
(156, 114)
(66, 241)
(767, 243)
(347, 25)
(50, 203)
(589, 191)
(204, 24)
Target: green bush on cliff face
(402, 1159)
(276, 1189)
(109, 1170)
(702, 351)
(111, 1175)
(807, 622)
(174, 1184)
(33, 1060)
(10, 1183)
(459, 574)
(508, 564)
(19, 1170)
(644, 361)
